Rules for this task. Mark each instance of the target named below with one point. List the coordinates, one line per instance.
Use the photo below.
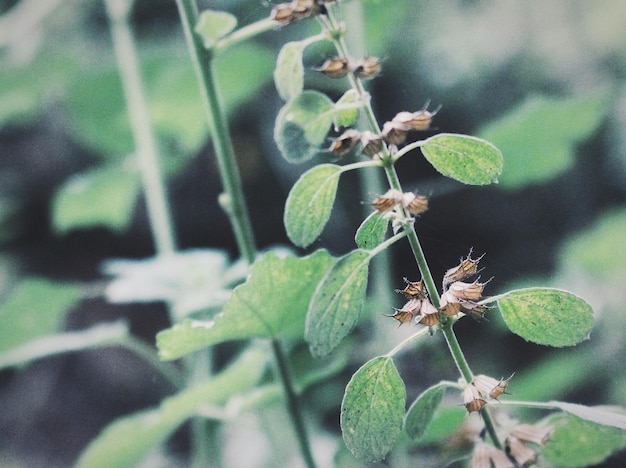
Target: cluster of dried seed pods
(417, 307)
(286, 13)
(414, 204)
(371, 144)
(338, 67)
(395, 131)
(462, 296)
(480, 388)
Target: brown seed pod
(488, 386)
(476, 311)
(335, 67)
(402, 316)
(467, 291)
(371, 144)
(394, 133)
(345, 142)
(413, 289)
(415, 204)
(472, 399)
(429, 314)
(367, 68)
(468, 267)
(388, 200)
(305, 8)
(283, 13)
(450, 305)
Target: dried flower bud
(394, 133)
(283, 13)
(476, 311)
(450, 305)
(402, 316)
(489, 386)
(472, 399)
(371, 143)
(402, 120)
(524, 455)
(367, 68)
(305, 8)
(415, 204)
(467, 291)
(335, 68)
(532, 433)
(487, 456)
(345, 142)
(388, 200)
(465, 269)
(429, 315)
(413, 289)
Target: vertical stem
(234, 203)
(145, 141)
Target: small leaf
(289, 72)
(547, 316)
(349, 116)
(104, 196)
(539, 137)
(302, 125)
(372, 230)
(336, 305)
(271, 304)
(372, 409)
(34, 308)
(467, 159)
(422, 411)
(579, 443)
(604, 415)
(213, 25)
(127, 440)
(310, 203)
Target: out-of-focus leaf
(289, 72)
(213, 25)
(547, 316)
(372, 409)
(538, 138)
(372, 230)
(127, 440)
(467, 159)
(104, 197)
(271, 304)
(34, 308)
(336, 306)
(579, 443)
(302, 125)
(345, 117)
(603, 415)
(310, 203)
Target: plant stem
(234, 203)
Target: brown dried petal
(388, 200)
(393, 133)
(335, 67)
(413, 289)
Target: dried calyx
(286, 13)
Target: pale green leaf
(604, 415)
(104, 197)
(336, 305)
(345, 112)
(127, 440)
(547, 316)
(310, 203)
(467, 159)
(302, 125)
(271, 304)
(372, 409)
(289, 72)
(538, 139)
(34, 308)
(372, 230)
(444, 424)
(213, 25)
(422, 411)
(579, 443)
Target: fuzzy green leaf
(349, 116)
(289, 72)
(302, 125)
(336, 305)
(213, 25)
(310, 203)
(104, 197)
(604, 415)
(127, 440)
(579, 443)
(34, 308)
(547, 316)
(465, 158)
(422, 411)
(271, 304)
(372, 230)
(538, 138)
(372, 409)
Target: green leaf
(467, 159)
(336, 305)
(547, 316)
(372, 409)
(104, 196)
(271, 304)
(372, 231)
(349, 116)
(289, 72)
(538, 138)
(127, 440)
(604, 415)
(444, 424)
(302, 125)
(579, 443)
(422, 411)
(34, 308)
(310, 203)
(213, 25)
